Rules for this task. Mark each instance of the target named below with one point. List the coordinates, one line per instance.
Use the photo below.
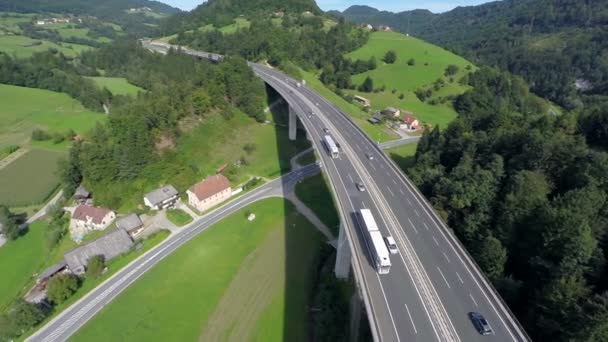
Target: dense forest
(527, 194)
(551, 43)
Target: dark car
(480, 323)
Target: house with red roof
(209, 192)
(410, 122)
(86, 219)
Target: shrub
(411, 62)
(390, 57)
(40, 135)
(95, 266)
(62, 287)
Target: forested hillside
(528, 197)
(551, 43)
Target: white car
(360, 186)
(392, 246)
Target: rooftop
(110, 245)
(210, 186)
(159, 195)
(84, 212)
(129, 222)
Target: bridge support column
(343, 255)
(356, 308)
(293, 123)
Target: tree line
(528, 196)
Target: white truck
(331, 147)
(375, 242)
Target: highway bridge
(433, 283)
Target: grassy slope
(403, 155)
(178, 217)
(30, 179)
(187, 286)
(23, 109)
(223, 142)
(405, 79)
(19, 260)
(117, 85)
(315, 193)
(22, 46)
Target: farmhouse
(109, 246)
(410, 122)
(362, 100)
(82, 195)
(209, 192)
(162, 198)
(130, 223)
(392, 112)
(51, 271)
(86, 219)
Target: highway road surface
(69, 321)
(433, 283)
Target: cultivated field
(19, 260)
(31, 179)
(24, 109)
(117, 85)
(238, 281)
(430, 64)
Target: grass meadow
(403, 155)
(316, 194)
(24, 109)
(430, 64)
(117, 85)
(19, 260)
(178, 217)
(31, 179)
(22, 46)
(230, 282)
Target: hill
(557, 46)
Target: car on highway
(480, 323)
(318, 163)
(369, 156)
(326, 130)
(360, 186)
(391, 244)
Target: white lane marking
(363, 204)
(425, 226)
(401, 191)
(473, 299)
(437, 243)
(373, 167)
(382, 166)
(417, 213)
(351, 178)
(459, 278)
(442, 276)
(391, 191)
(390, 312)
(446, 257)
(408, 201)
(411, 224)
(394, 181)
(411, 319)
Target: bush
(249, 148)
(411, 62)
(40, 135)
(390, 57)
(401, 96)
(95, 266)
(451, 70)
(19, 318)
(62, 287)
(367, 86)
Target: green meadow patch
(238, 280)
(23, 47)
(117, 85)
(31, 179)
(24, 109)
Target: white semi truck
(375, 243)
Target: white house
(391, 112)
(209, 192)
(86, 219)
(162, 198)
(410, 122)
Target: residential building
(367, 26)
(362, 100)
(51, 271)
(209, 192)
(81, 195)
(162, 198)
(109, 246)
(86, 218)
(392, 112)
(130, 223)
(410, 122)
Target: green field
(258, 291)
(22, 47)
(315, 193)
(223, 143)
(19, 260)
(117, 85)
(178, 217)
(403, 155)
(430, 64)
(31, 179)
(24, 109)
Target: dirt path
(251, 291)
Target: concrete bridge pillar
(356, 308)
(293, 123)
(343, 255)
